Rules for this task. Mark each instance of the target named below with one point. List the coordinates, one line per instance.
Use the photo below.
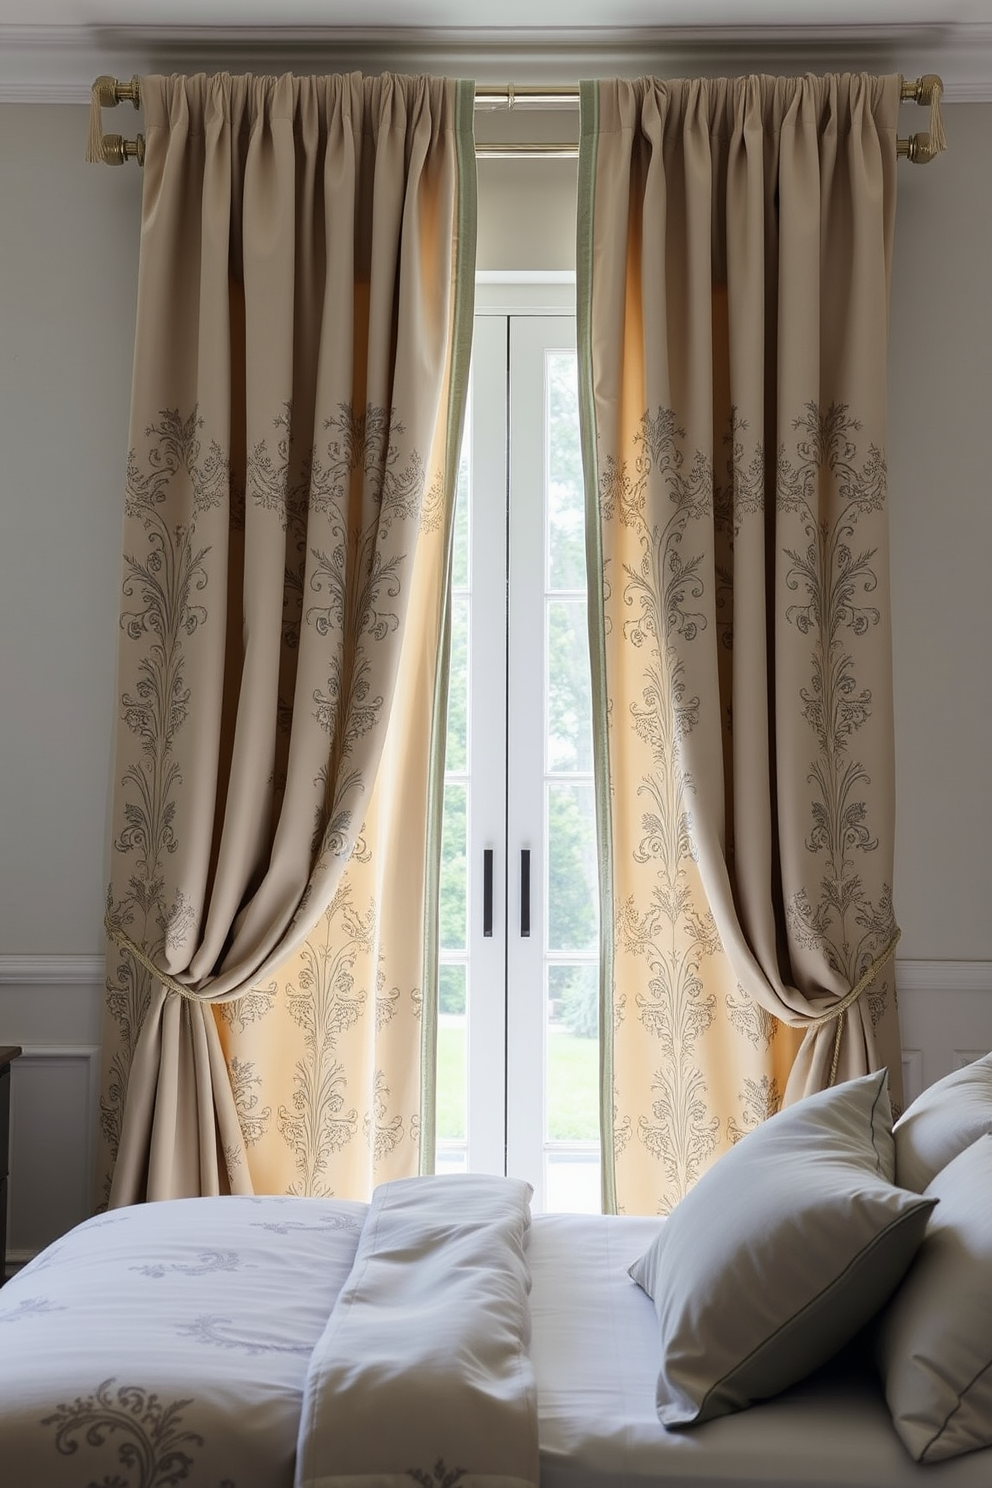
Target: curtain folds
(304, 318)
(734, 257)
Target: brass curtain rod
(114, 149)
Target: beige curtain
(734, 253)
(305, 301)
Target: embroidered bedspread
(169, 1343)
(176, 1343)
(422, 1374)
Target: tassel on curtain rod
(113, 149)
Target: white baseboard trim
(16, 1261)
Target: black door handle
(487, 891)
(525, 891)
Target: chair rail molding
(51, 971)
(943, 976)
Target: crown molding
(57, 64)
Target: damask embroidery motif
(222, 1332)
(831, 577)
(254, 1122)
(29, 1307)
(324, 1002)
(344, 581)
(164, 584)
(152, 1449)
(329, 1222)
(669, 932)
(208, 1263)
(381, 1133)
(438, 1476)
(685, 524)
(759, 1099)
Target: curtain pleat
(734, 253)
(307, 257)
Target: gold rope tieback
(850, 998)
(125, 943)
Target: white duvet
(201, 1343)
(262, 1342)
(169, 1343)
(423, 1373)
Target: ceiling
(464, 15)
(51, 50)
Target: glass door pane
(553, 974)
(518, 1047)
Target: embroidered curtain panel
(734, 255)
(304, 316)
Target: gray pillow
(781, 1252)
(934, 1344)
(942, 1122)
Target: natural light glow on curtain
(734, 257)
(305, 303)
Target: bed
(264, 1342)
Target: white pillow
(934, 1344)
(782, 1251)
(942, 1122)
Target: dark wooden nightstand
(7, 1053)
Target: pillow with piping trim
(782, 1251)
(942, 1122)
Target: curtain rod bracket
(112, 149)
(927, 92)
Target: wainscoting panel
(945, 1012)
(53, 1099)
(912, 1075)
(52, 1007)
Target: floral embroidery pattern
(210, 1262)
(670, 934)
(164, 585)
(253, 1122)
(324, 1003)
(759, 1099)
(152, 1450)
(345, 506)
(30, 1307)
(831, 578)
(221, 1332)
(330, 1222)
(438, 1476)
(381, 1134)
(685, 523)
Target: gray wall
(941, 524)
(68, 274)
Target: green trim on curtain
(588, 145)
(461, 352)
